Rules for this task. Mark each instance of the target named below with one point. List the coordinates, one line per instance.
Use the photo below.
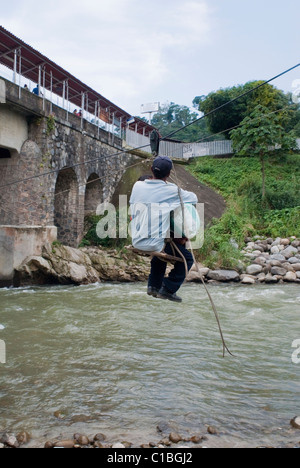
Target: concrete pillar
(17, 243)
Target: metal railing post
(15, 66)
(82, 107)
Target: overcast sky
(141, 51)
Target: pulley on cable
(154, 142)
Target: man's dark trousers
(177, 275)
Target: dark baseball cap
(162, 167)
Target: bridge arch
(93, 194)
(66, 203)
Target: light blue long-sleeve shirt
(151, 204)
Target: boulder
(278, 271)
(289, 252)
(278, 257)
(175, 438)
(65, 265)
(271, 279)
(290, 277)
(195, 276)
(295, 423)
(223, 275)
(248, 280)
(260, 261)
(261, 277)
(294, 260)
(66, 444)
(254, 269)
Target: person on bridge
(36, 90)
(152, 203)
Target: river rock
(289, 252)
(294, 260)
(49, 444)
(287, 266)
(296, 266)
(254, 269)
(295, 423)
(100, 437)
(278, 257)
(223, 275)
(212, 430)
(278, 271)
(10, 441)
(81, 439)
(260, 261)
(23, 438)
(65, 265)
(271, 279)
(290, 277)
(195, 275)
(66, 444)
(119, 446)
(246, 279)
(275, 250)
(175, 438)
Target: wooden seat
(161, 255)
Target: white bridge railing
(183, 150)
(180, 150)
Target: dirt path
(214, 204)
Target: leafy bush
(239, 180)
(92, 239)
(282, 223)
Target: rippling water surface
(112, 360)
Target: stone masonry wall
(54, 144)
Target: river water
(110, 359)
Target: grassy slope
(239, 180)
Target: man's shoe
(165, 294)
(152, 291)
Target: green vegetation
(233, 114)
(173, 117)
(91, 237)
(239, 180)
(259, 134)
(50, 124)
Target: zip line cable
(233, 100)
(127, 151)
(225, 348)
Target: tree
(232, 114)
(261, 135)
(172, 117)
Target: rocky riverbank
(64, 265)
(209, 437)
(268, 261)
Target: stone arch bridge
(83, 167)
